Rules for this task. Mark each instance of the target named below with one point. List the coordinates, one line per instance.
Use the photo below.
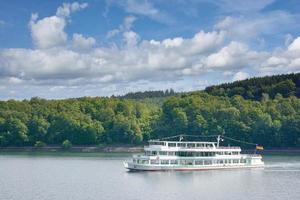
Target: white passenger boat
(187, 155)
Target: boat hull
(139, 167)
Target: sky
(64, 49)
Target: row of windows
(188, 154)
(190, 145)
(189, 162)
(182, 144)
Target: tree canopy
(271, 116)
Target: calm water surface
(103, 177)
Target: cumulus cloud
(138, 60)
(295, 45)
(77, 66)
(235, 55)
(245, 28)
(67, 8)
(131, 38)
(49, 31)
(125, 26)
(81, 42)
(285, 60)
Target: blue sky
(62, 49)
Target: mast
(218, 141)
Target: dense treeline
(84, 121)
(148, 94)
(273, 120)
(89, 121)
(255, 88)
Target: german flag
(259, 147)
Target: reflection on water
(103, 177)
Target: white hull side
(140, 167)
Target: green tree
(67, 144)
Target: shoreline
(125, 149)
(76, 149)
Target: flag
(258, 147)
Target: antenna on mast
(180, 138)
(218, 140)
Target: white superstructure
(179, 155)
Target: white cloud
(240, 76)
(175, 42)
(138, 60)
(142, 8)
(283, 60)
(67, 8)
(15, 80)
(131, 38)
(49, 31)
(244, 6)
(252, 27)
(125, 26)
(295, 45)
(77, 66)
(235, 55)
(81, 42)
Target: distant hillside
(255, 88)
(137, 117)
(148, 94)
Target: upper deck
(188, 146)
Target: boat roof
(190, 142)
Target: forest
(254, 88)
(260, 110)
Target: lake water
(24, 177)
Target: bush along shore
(77, 149)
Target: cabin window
(164, 162)
(163, 153)
(190, 145)
(199, 145)
(198, 162)
(235, 161)
(142, 161)
(182, 162)
(172, 144)
(207, 162)
(181, 144)
(171, 153)
(174, 162)
(189, 162)
(145, 161)
(154, 162)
